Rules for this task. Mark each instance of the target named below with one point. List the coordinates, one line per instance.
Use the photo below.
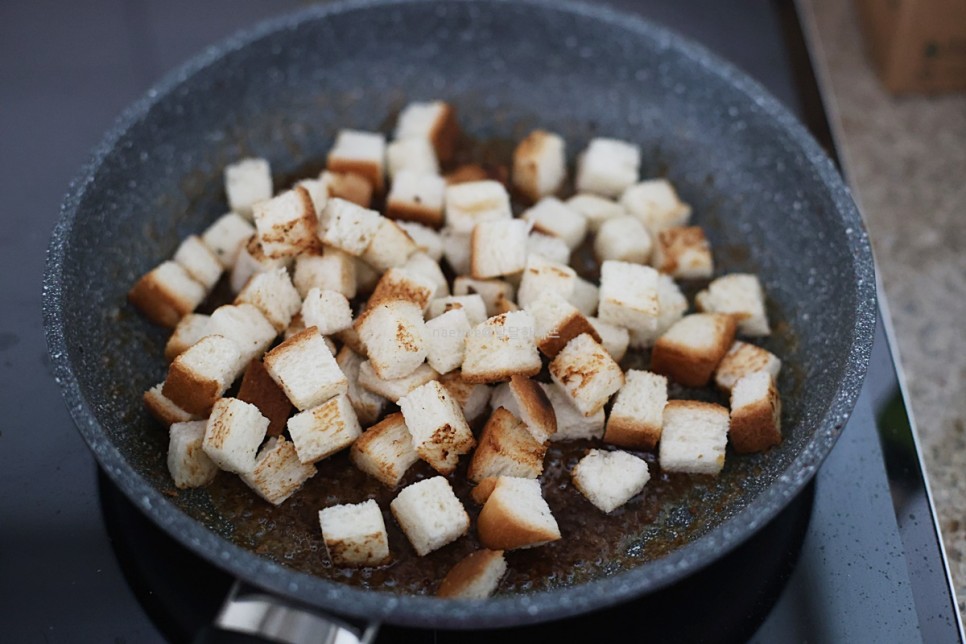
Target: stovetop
(858, 558)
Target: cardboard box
(917, 45)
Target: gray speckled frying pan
(771, 200)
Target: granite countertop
(905, 159)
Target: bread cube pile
(401, 314)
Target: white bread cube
(355, 534)
(491, 290)
(246, 326)
(385, 451)
(743, 359)
(426, 239)
(329, 311)
(395, 338)
(539, 164)
(430, 514)
(190, 329)
(595, 209)
(741, 296)
(628, 296)
(361, 153)
(328, 270)
(553, 217)
(476, 576)
(468, 204)
(498, 248)
(252, 260)
(615, 339)
(202, 373)
(247, 181)
(557, 322)
(607, 167)
(188, 464)
(540, 276)
(162, 409)
(586, 296)
(400, 284)
(390, 246)
(318, 191)
(305, 369)
(550, 248)
(437, 424)
(506, 448)
(347, 185)
(516, 515)
(656, 204)
(434, 121)
(637, 416)
(694, 437)
(348, 227)
(273, 293)
(166, 294)
(286, 224)
(610, 479)
(531, 405)
(201, 263)
(324, 430)
(571, 422)
(419, 263)
(587, 373)
(446, 340)
(417, 197)
(624, 239)
(396, 388)
(234, 431)
(414, 155)
(227, 236)
(472, 398)
(683, 252)
(472, 305)
(671, 304)
(756, 411)
(689, 352)
(278, 472)
(500, 347)
(367, 405)
(456, 250)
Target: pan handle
(252, 615)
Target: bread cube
(385, 451)
(607, 167)
(202, 373)
(199, 261)
(318, 191)
(437, 424)
(252, 260)
(272, 293)
(493, 291)
(400, 284)
(498, 248)
(472, 398)
(610, 479)
(162, 409)
(347, 185)
(348, 227)
(361, 153)
(482, 490)
(430, 514)
(624, 239)
(689, 352)
(286, 224)
(585, 296)
(420, 263)
(595, 209)
(323, 430)
(539, 164)
(367, 405)
(694, 437)
(396, 388)
(629, 296)
(671, 304)
(531, 404)
(743, 359)
(390, 247)
(189, 330)
(329, 311)
(553, 217)
(550, 248)
(188, 464)
(741, 296)
(446, 339)
(503, 305)
(246, 326)
(571, 422)
(613, 338)
(756, 411)
(395, 337)
(541, 276)
(355, 534)
(166, 294)
(468, 204)
(258, 388)
(470, 172)
(683, 252)
(247, 181)
(434, 121)
(234, 431)
(456, 250)
(414, 155)
(417, 197)
(305, 369)
(472, 305)
(278, 472)
(557, 322)
(475, 577)
(655, 203)
(500, 347)
(328, 270)
(506, 448)
(637, 416)
(426, 239)
(227, 236)
(587, 373)
(515, 515)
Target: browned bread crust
(408, 211)
(500, 528)
(686, 365)
(506, 443)
(157, 303)
(368, 170)
(626, 432)
(499, 375)
(535, 407)
(351, 187)
(445, 134)
(484, 489)
(189, 390)
(757, 427)
(258, 388)
(467, 571)
(568, 329)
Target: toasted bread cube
(553, 217)
(503, 397)
(162, 409)
(234, 431)
(327, 310)
(672, 305)
(202, 373)
(498, 248)
(539, 164)
(390, 247)
(613, 338)
(470, 172)
(247, 181)
(318, 191)
(472, 398)
(541, 276)
(355, 534)
(472, 305)
(426, 239)
(456, 250)
(437, 424)
(610, 479)
(278, 472)
(188, 464)
(417, 197)
(743, 359)
(475, 577)
(258, 388)
(227, 236)
(350, 186)
(324, 430)
(655, 203)
(434, 121)
(396, 388)
(533, 407)
(503, 305)
(550, 248)
(385, 451)
(251, 261)
(247, 326)
(414, 155)
(305, 369)
(430, 514)
(361, 153)
(491, 290)
(607, 167)
(637, 416)
(367, 405)
(395, 337)
(689, 352)
(273, 293)
(694, 437)
(166, 294)
(683, 252)
(587, 373)
(595, 209)
(446, 340)
(506, 448)
(419, 263)
(571, 422)
(624, 239)
(201, 263)
(741, 296)
(629, 296)
(482, 490)
(557, 323)
(329, 270)
(348, 227)
(286, 224)
(190, 329)
(500, 347)
(468, 204)
(515, 515)
(400, 284)
(756, 411)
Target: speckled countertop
(906, 161)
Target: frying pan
(770, 199)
